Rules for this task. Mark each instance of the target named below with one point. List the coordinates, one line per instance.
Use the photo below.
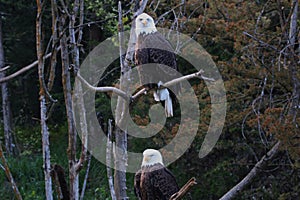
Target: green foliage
(243, 63)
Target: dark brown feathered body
(155, 182)
(154, 49)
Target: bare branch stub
(182, 192)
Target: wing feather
(155, 49)
(157, 182)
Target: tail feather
(164, 95)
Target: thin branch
(4, 68)
(166, 13)
(9, 175)
(108, 161)
(254, 172)
(89, 158)
(21, 71)
(261, 42)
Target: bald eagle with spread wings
(156, 61)
(154, 181)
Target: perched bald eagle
(152, 48)
(154, 181)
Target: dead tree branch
(254, 172)
(182, 192)
(89, 158)
(9, 175)
(142, 91)
(21, 71)
(109, 146)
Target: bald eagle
(154, 181)
(152, 48)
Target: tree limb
(103, 89)
(9, 175)
(142, 91)
(180, 194)
(21, 71)
(254, 172)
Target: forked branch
(122, 94)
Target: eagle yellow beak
(144, 22)
(146, 158)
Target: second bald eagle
(156, 61)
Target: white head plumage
(151, 157)
(144, 23)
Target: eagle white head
(144, 23)
(151, 157)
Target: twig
(166, 13)
(180, 194)
(262, 42)
(4, 68)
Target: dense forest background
(255, 45)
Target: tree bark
(43, 107)
(75, 165)
(7, 125)
(67, 88)
(121, 135)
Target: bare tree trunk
(43, 107)
(9, 175)
(66, 81)
(75, 165)
(121, 135)
(5, 102)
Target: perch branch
(142, 91)
(175, 81)
(180, 194)
(183, 78)
(103, 89)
